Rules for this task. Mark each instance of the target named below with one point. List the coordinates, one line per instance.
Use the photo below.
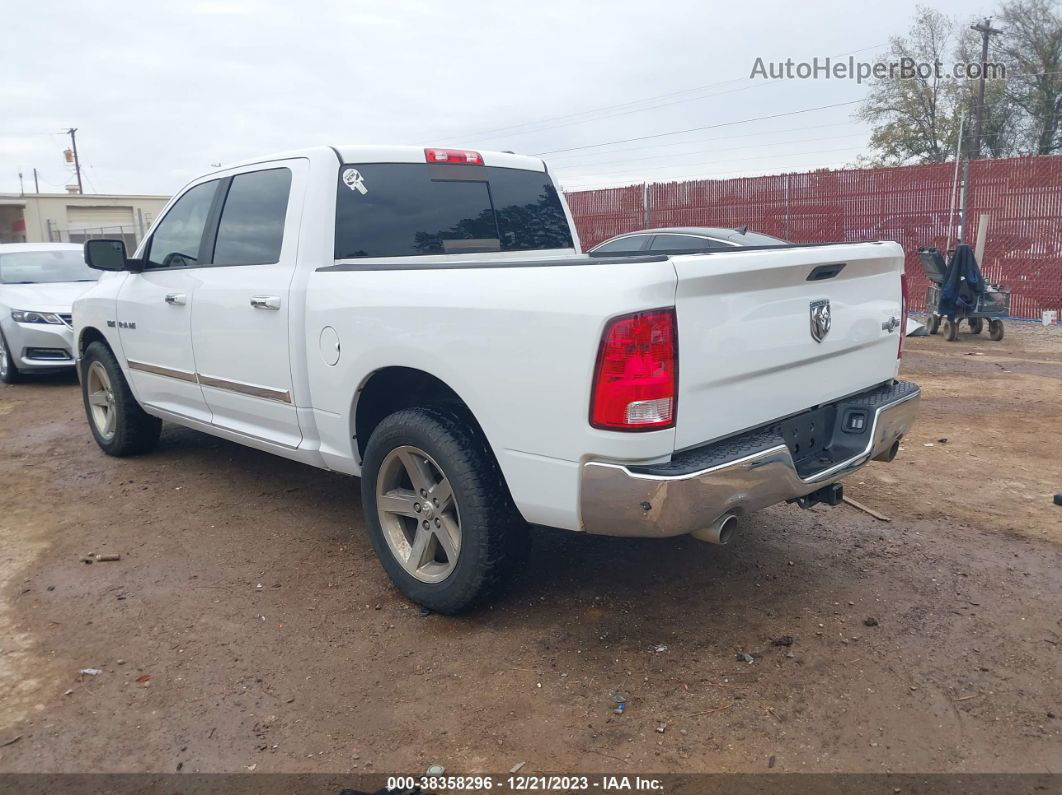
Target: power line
(577, 120)
(583, 157)
(592, 180)
(711, 151)
(640, 110)
(710, 140)
(599, 109)
(698, 129)
(739, 159)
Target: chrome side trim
(269, 393)
(168, 372)
(617, 501)
(239, 387)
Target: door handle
(265, 301)
(175, 299)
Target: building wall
(62, 217)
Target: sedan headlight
(28, 316)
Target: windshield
(45, 267)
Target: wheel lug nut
(438, 523)
(436, 500)
(427, 525)
(423, 493)
(416, 507)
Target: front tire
(438, 511)
(118, 424)
(9, 372)
(995, 330)
(933, 325)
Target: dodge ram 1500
(424, 319)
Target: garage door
(96, 217)
(85, 223)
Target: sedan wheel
(101, 400)
(9, 373)
(418, 513)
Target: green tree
(1031, 46)
(915, 120)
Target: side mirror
(106, 255)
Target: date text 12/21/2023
(526, 783)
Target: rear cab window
(418, 209)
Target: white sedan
(38, 285)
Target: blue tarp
(963, 282)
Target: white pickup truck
(423, 318)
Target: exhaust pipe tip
(889, 454)
(720, 531)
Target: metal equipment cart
(991, 305)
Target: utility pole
(986, 30)
(72, 132)
(973, 151)
(21, 189)
(36, 184)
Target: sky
(160, 92)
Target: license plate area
(808, 436)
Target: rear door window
(251, 231)
(411, 209)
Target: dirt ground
(248, 626)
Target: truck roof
(377, 153)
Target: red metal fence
(908, 204)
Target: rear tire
(9, 372)
(451, 552)
(995, 330)
(977, 325)
(118, 424)
(951, 329)
(933, 324)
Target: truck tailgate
(747, 354)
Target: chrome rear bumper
(741, 475)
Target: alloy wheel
(418, 513)
(101, 400)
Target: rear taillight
(462, 157)
(636, 379)
(903, 314)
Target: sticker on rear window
(353, 179)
